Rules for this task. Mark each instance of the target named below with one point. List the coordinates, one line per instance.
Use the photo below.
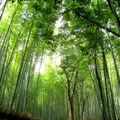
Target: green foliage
(85, 37)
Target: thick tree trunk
(71, 101)
(109, 92)
(103, 107)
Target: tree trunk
(114, 13)
(103, 107)
(71, 102)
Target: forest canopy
(60, 59)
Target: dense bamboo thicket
(60, 59)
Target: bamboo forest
(60, 59)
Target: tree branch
(92, 21)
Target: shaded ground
(8, 115)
